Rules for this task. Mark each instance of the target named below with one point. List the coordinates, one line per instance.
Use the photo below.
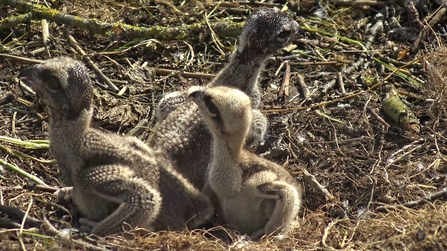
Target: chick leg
(65, 197)
(64, 194)
(198, 212)
(286, 208)
(139, 202)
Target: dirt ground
(385, 178)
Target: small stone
(420, 235)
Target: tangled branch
(95, 26)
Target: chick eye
(212, 109)
(53, 83)
(284, 34)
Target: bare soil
(371, 165)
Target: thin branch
(95, 26)
(8, 98)
(27, 144)
(312, 180)
(66, 238)
(24, 59)
(12, 21)
(377, 116)
(92, 64)
(423, 34)
(18, 214)
(5, 223)
(21, 172)
(381, 82)
(46, 188)
(303, 86)
(284, 90)
(360, 2)
(139, 128)
(428, 198)
(22, 155)
(22, 226)
(165, 72)
(341, 84)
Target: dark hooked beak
(196, 95)
(298, 34)
(32, 76)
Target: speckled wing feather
(256, 196)
(182, 136)
(115, 179)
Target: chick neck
(69, 127)
(242, 71)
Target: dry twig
(21, 172)
(426, 199)
(165, 72)
(18, 214)
(66, 238)
(344, 97)
(423, 34)
(303, 86)
(24, 59)
(8, 98)
(139, 128)
(284, 90)
(107, 81)
(360, 2)
(377, 116)
(312, 180)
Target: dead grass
(364, 164)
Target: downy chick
(182, 136)
(256, 196)
(115, 179)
